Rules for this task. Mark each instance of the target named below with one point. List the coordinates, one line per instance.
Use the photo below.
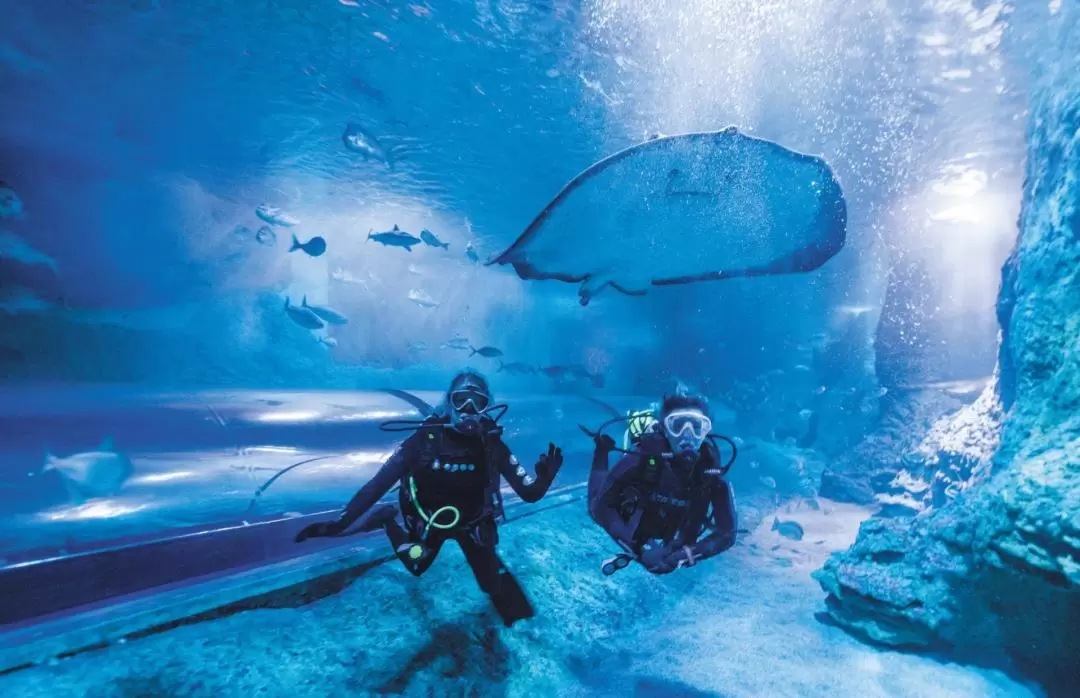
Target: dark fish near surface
(788, 529)
(330, 317)
(303, 317)
(314, 247)
(359, 140)
(432, 239)
(555, 371)
(266, 236)
(396, 237)
(517, 367)
(488, 352)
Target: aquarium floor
(739, 626)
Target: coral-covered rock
(998, 567)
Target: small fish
(275, 216)
(417, 346)
(413, 269)
(802, 367)
(432, 239)
(313, 247)
(14, 247)
(788, 529)
(303, 317)
(330, 317)
(328, 342)
(457, 343)
(11, 206)
(517, 368)
(359, 140)
(90, 474)
(487, 352)
(768, 482)
(470, 252)
(395, 237)
(422, 299)
(346, 277)
(242, 233)
(266, 236)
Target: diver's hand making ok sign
(549, 463)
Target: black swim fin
(511, 603)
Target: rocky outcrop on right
(993, 575)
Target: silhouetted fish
(395, 237)
(359, 140)
(330, 317)
(303, 317)
(432, 239)
(313, 247)
(488, 352)
(788, 529)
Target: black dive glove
(604, 444)
(323, 529)
(549, 462)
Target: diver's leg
(496, 581)
(597, 474)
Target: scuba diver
(666, 492)
(449, 472)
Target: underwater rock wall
(994, 575)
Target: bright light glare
(369, 457)
(105, 509)
(270, 449)
(163, 477)
(366, 416)
(970, 212)
(295, 416)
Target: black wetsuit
(683, 511)
(445, 468)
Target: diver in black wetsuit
(449, 471)
(666, 493)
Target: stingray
(683, 209)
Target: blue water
(139, 300)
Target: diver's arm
(530, 489)
(599, 471)
(392, 471)
(724, 526)
(603, 509)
